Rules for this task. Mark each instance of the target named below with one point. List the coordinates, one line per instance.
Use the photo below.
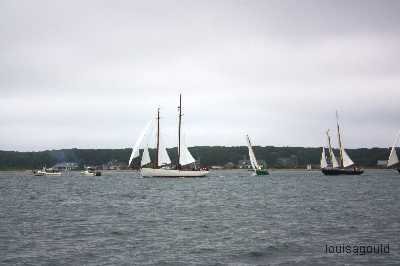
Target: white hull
(41, 173)
(87, 173)
(150, 172)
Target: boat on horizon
(46, 172)
(393, 159)
(345, 165)
(258, 170)
(91, 171)
(162, 166)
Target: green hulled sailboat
(259, 170)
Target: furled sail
(135, 150)
(393, 159)
(252, 156)
(324, 164)
(346, 159)
(145, 157)
(185, 156)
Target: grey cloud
(274, 69)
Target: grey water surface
(227, 218)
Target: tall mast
(339, 140)
(179, 131)
(158, 138)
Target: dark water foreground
(286, 218)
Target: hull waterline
(341, 171)
(262, 172)
(150, 172)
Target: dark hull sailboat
(345, 166)
(342, 171)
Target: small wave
(118, 233)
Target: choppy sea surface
(228, 218)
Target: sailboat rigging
(259, 170)
(162, 166)
(343, 167)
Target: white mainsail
(145, 157)
(252, 156)
(163, 157)
(393, 159)
(185, 156)
(135, 150)
(334, 161)
(324, 164)
(347, 161)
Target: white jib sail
(323, 159)
(185, 156)
(252, 156)
(393, 159)
(346, 159)
(145, 157)
(135, 150)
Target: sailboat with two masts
(393, 159)
(161, 167)
(345, 165)
(258, 170)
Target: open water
(228, 218)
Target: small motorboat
(91, 171)
(47, 172)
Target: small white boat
(47, 172)
(91, 171)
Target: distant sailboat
(343, 167)
(393, 159)
(161, 167)
(253, 161)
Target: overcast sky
(90, 74)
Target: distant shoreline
(208, 156)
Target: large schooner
(162, 167)
(345, 166)
(393, 159)
(258, 170)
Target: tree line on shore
(207, 155)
